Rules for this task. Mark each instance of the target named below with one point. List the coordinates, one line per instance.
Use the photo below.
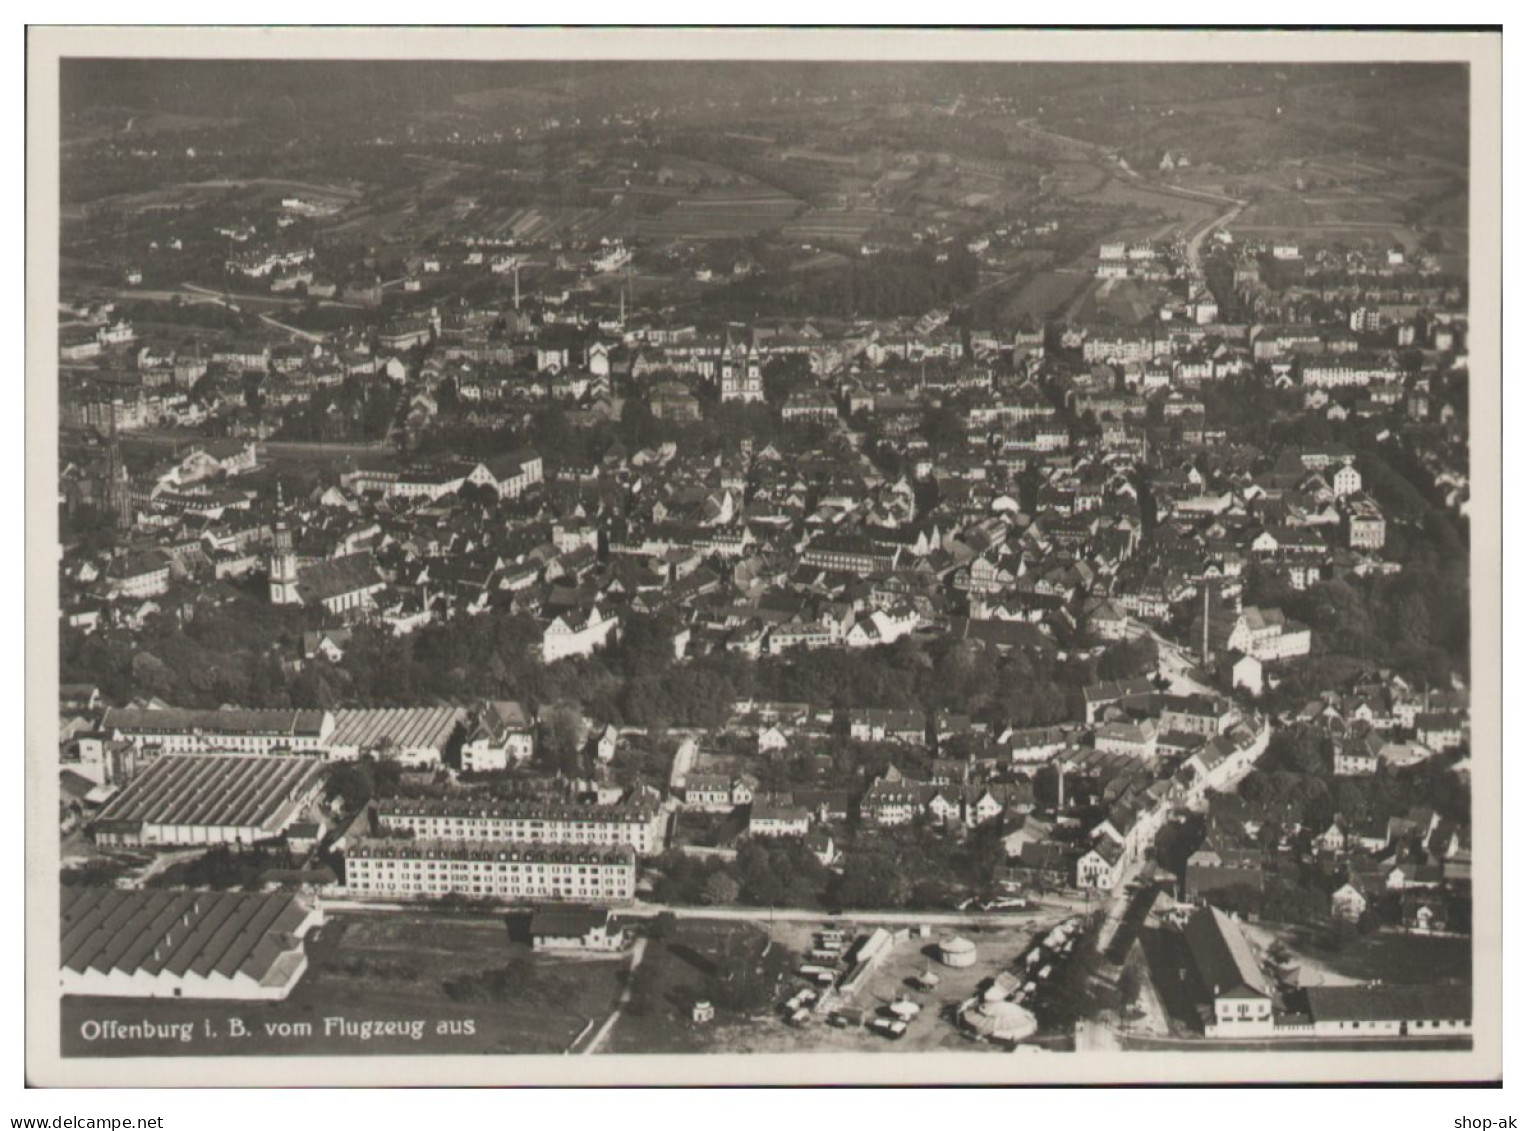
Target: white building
(579, 632)
(641, 826)
(411, 868)
(502, 737)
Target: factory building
(205, 799)
(224, 945)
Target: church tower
(752, 388)
(283, 560)
(119, 501)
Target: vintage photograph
(890, 560)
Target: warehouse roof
(407, 727)
(226, 790)
(155, 932)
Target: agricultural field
(734, 212)
(1042, 295)
(1074, 178)
(464, 981)
(835, 225)
(1126, 301)
(1119, 194)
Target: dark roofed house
(575, 927)
(341, 585)
(1239, 1002)
(1390, 1011)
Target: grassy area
(1397, 958)
(1044, 294)
(381, 968)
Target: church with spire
(344, 587)
(283, 559)
(741, 377)
(119, 496)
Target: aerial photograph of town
(642, 557)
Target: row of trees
(234, 653)
(912, 867)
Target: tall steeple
(283, 559)
(119, 501)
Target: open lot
(666, 1026)
(384, 967)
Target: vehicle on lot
(801, 999)
(799, 1018)
(1007, 904)
(886, 1027)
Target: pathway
(637, 953)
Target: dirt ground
(932, 1030)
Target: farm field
(1044, 294)
(382, 967)
(1121, 195)
(1127, 301)
(720, 215)
(835, 225)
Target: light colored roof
(410, 728)
(233, 790)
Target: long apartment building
(849, 552)
(642, 827)
(407, 868)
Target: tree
(663, 925)
(943, 428)
(352, 783)
(720, 889)
(1128, 989)
(562, 731)
(873, 879)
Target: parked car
(892, 1030)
